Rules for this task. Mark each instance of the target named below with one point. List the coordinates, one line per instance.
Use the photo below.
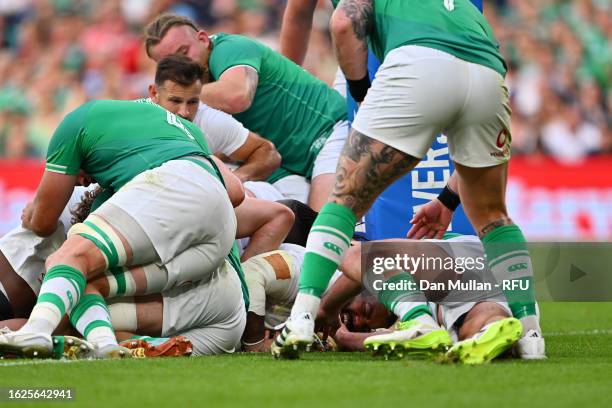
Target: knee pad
(104, 237)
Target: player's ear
(203, 37)
(153, 93)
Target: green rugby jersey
(113, 141)
(291, 108)
(453, 26)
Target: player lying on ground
(479, 323)
(441, 72)
(267, 93)
(272, 279)
(152, 200)
(481, 331)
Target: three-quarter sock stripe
(332, 231)
(114, 259)
(54, 299)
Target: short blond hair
(155, 31)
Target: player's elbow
(282, 221)
(340, 24)
(238, 102)
(43, 228)
(273, 156)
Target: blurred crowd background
(57, 54)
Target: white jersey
(223, 133)
(27, 252)
(273, 291)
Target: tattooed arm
(350, 26)
(234, 91)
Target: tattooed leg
(365, 169)
(482, 192)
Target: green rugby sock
(329, 238)
(92, 319)
(508, 259)
(407, 302)
(59, 293)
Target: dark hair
(180, 69)
(157, 29)
(82, 210)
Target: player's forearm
(453, 182)
(339, 294)
(349, 341)
(233, 185)
(349, 27)
(295, 31)
(269, 236)
(260, 164)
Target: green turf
(578, 373)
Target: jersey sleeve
(233, 51)
(222, 132)
(64, 154)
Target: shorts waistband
(202, 162)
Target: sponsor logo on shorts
(502, 143)
(502, 138)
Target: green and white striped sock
(92, 319)
(406, 304)
(508, 259)
(329, 238)
(59, 293)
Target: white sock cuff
(305, 303)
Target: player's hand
(431, 221)
(327, 322)
(26, 216)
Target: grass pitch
(578, 373)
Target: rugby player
(177, 87)
(441, 72)
(302, 116)
(197, 318)
(479, 321)
(153, 200)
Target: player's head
(178, 83)
(365, 314)
(172, 34)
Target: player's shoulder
(234, 42)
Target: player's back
(292, 108)
(453, 26)
(113, 141)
